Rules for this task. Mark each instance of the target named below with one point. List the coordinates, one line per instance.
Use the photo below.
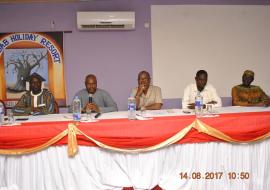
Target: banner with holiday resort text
(24, 53)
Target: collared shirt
(209, 94)
(152, 96)
(35, 97)
(43, 104)
(101, 98)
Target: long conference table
(229, 150)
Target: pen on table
(97, 115)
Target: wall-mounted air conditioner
(99, 20)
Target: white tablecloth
(148, 113)
(93, 168)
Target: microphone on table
(90, 98)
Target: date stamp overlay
(211, 175)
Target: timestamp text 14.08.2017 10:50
(214, 175)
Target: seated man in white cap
(246, 94)
(36, 101)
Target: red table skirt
(123, 133)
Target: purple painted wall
(115, 57)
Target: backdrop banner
(24, 53)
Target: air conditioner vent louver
(103, 26)
(124, 20)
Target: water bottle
(76, 108)
(2, 113)
(131, 108)
(198, 104)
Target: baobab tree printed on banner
(20, 64)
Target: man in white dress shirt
(207, 91)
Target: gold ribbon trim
(73, 131)
(178, 136)
(72, 140)
(204, 128)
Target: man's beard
(36, 91)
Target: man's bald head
(91, 83)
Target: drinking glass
(209, 108)
(88, 114)
(143, 111)
(11, 118)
